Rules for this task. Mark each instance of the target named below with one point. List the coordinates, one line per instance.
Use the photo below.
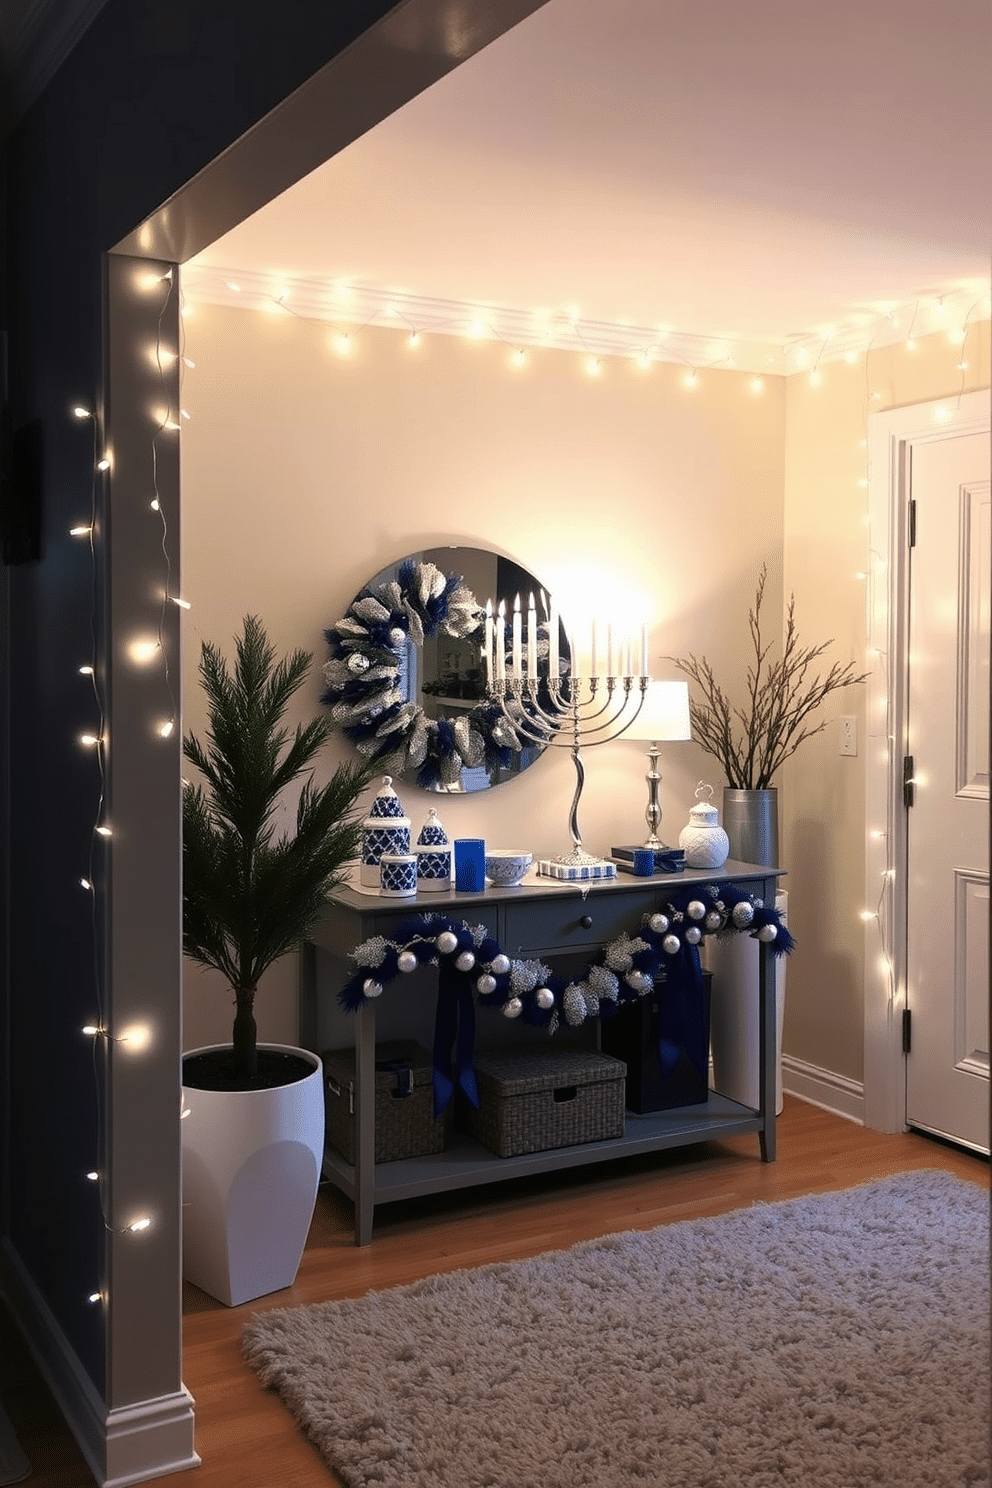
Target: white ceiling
(740, 175)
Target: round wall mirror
(408, 681)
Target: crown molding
(359, 306)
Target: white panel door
(947, 1070)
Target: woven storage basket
(404, 1123)
(533, 1102)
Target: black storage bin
(632, 1035)
(404, 1102)
(532, 1102)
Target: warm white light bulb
(86, 671)
(95, 1297)
(137, 1225)
(183, 604)
(850, 357)
(85, 884)
(90, 740)
(518, 358)
(165, 729)
(104, 830)
(414, 338)
(594, 366)
(154, 504)
(691, 379)
(81, 412)
(80, 531)
(93, 1176)
(92, 1030)
(138, 1036)
(757, 384)
(815, 378)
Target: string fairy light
(136, 1038)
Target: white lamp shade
(664, 713)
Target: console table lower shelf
(466, 1162)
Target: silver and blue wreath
(364, 688)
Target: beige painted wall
(823, 794)
(304, 472)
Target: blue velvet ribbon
(454, 1025)
(682, 1014)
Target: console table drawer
(564, 923)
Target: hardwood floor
(245, 1437)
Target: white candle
(644, 650)
(592, 654)
(629, 657)
(501, 643)
(489, 644)
(517, 672)
(609, 648)
(532, 640)
(553, 644)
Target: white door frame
(890, 436)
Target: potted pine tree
(253, 1124)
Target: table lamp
(663, 718)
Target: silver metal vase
(750, 820)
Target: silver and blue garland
(473, 968)
(364, 681)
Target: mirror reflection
(408, 672)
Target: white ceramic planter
(251, 1166)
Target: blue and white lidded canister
(432, 833)
(398, 875)
(384, 830)
(433, 868)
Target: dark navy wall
(151, 94)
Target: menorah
(571, 711)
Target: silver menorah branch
(571, 712)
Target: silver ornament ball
(545, 998)
(658, 923)
(447, 942)
(499, 965)
(671, 945)
(406, 961)
(714, 920)
(486, 984)
(513, 1008)
(768, 933)
(695, 909)
(693, 935)
(743, 914)
(372, 989)
(466, 961)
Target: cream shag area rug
(837, 1341)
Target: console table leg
(767, 1037)
(364, 1123)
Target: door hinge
(912, 523)
(908, 781)
(907, 1031)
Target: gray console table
(543, 919)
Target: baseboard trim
(824, 1088)
(122, 1446)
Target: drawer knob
(586, 922)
